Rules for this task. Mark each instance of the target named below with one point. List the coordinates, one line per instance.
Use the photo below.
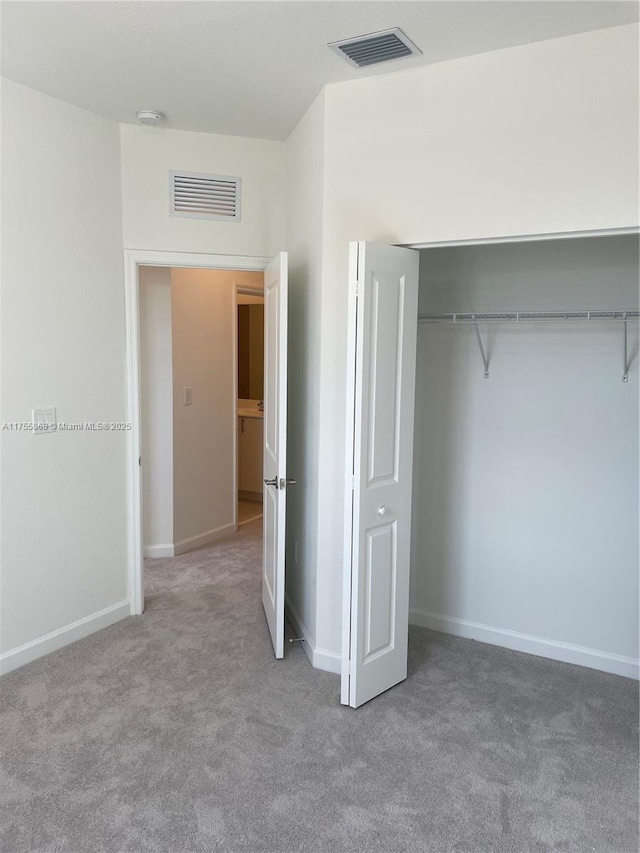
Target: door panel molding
(382, 337)
(379, 585)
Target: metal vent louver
(201, 196)
(375, 48)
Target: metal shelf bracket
(485, 360)
(625, 375)
(620, 316)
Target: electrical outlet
(186, 396)
(44, 420)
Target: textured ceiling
(251, 68)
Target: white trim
(350, 426)
(249, 520)
(234, 407)
(540, 646)
(204, 539)
(318, 658)
(327, 661)
(254, 497)
(153, 552)
(132, 309)
(245, 290)
(525, 238)
(134, 258)
(63, 637)
(197, 260)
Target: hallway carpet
(177, 731)
(248, 510)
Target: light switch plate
(44, 420)
(187, 396)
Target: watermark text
(67, 426)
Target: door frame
(133, 259)
(523, 238)
(351, 378)
(240, 290)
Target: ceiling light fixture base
(150, 117)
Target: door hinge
(353, 482)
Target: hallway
(232, 562)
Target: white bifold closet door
(383, 317)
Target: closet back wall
(525, 511)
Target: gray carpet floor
(177, 731)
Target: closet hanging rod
(526, 316)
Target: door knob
(382, 510)
(273, 482)
(284, 483)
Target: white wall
(156, 392)
(305, 187)
(148, 154)
(64, 498)
(525, 507)
(538, 138)
(203, 340)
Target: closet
(524, 499)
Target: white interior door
(383, 315)
(275, 447)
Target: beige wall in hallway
(203, 340)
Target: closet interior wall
(525, 497)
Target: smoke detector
(152, 117)
(374, 48)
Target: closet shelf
(622, 316)
(526, 316)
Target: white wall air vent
(374, 48)
(200, 196)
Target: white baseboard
(256, 497)
(326, 660)
(63, 636)
(249, 520)
(152, 552)
(319, 658)
(540, 646)
(203, 539)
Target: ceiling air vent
(375, 48)
(200, 196)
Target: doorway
(274, 272)
(163, 263)
(190, 373)
(250, 402)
